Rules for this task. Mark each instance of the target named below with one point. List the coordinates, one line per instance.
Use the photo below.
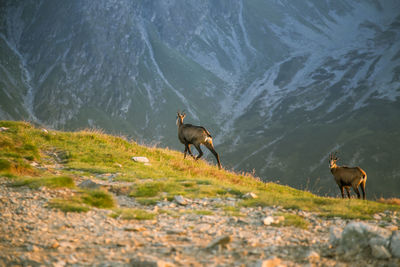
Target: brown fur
(195, 135)
(347, 177)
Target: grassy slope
(89, 153)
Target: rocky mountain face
(279, 84)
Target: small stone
(180, 200)
(175, 232)
(380, 252)
(273, 220)
(250, 195)
(268, 220)
(44, 130)
(3, 129)
(150, 263)
(141, 159)
(312, 255)
(55, 244)
(377, 217)
(89, 184)
(32, 248)
(34, 164)
(271, 262)
(134, 228)
(219, 241)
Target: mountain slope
(279, 84)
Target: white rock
(3, 129)
(181, 200)
(268, 220)
(250, 195)
(273, 220)
(141, 159)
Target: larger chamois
(348, 176)
(194, 135)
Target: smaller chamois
(194, 135)
(348, 176)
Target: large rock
(335, 234)
(356, 238)
(395, 244)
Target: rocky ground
(32, 234)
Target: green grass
(232, 211)
(83, 201)
(50, 182)
(89, 153)
(293, 220)
(69, 205)
(98, 199)
(132, 214)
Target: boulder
(335, 233)
(395, 244)
(356, 238)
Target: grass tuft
(293, 220)
(390, 201)
(68, 205)
(50, 182)
(98, 199)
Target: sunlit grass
(92, 153)
(51, 182)
(292, 220)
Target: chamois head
(180, 117)
(332, 160)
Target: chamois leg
(211, 148)
(348, 191)
(357, 191)
(363, 189)
(200, 152)
(189, 151)
(341, 190)
(184, 153)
